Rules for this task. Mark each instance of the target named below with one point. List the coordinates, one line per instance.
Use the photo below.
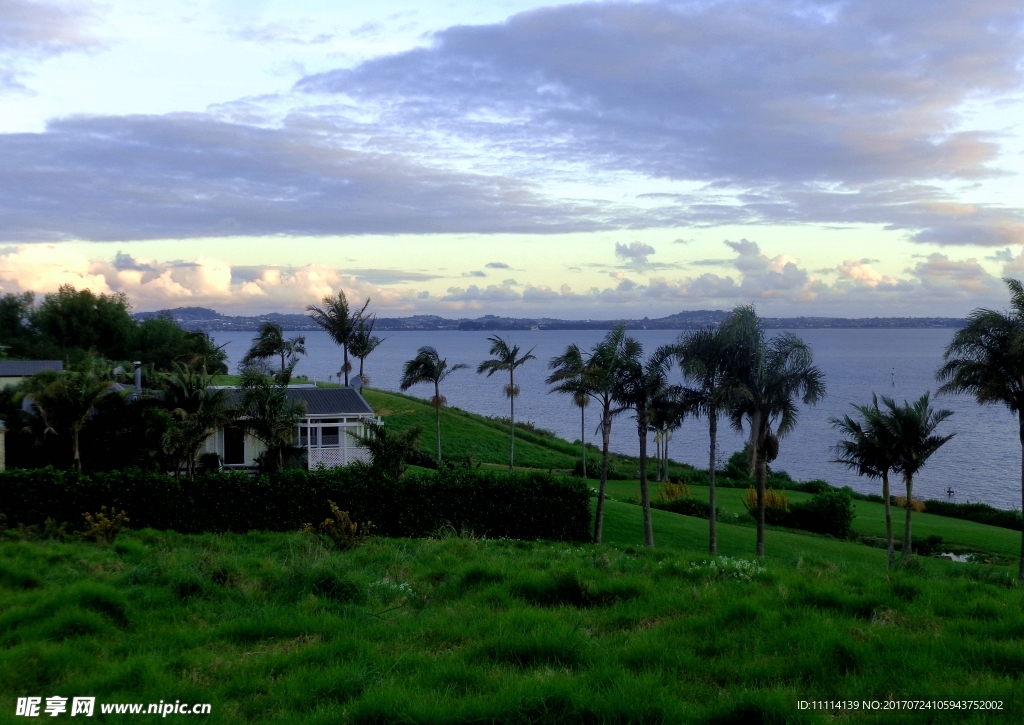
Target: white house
(330, 412)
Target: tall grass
(273, 627)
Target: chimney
(138, 376)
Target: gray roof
(323, 402)
(24, 368)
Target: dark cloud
(474, 273)
(146, 177)
(635, 252)
(787, 107)
(497, 265)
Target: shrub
(493, 504)
(916, 505)
(829, 512)
(101, 528)
(686, 507)
(776, 505)
(673, 490)
(341, 529)
(980, 512)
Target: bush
(776, 506)
(829, 512)
(686, 507)
(980, 512)
(490, 503)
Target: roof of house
(323, 401)
(24, 368)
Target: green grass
(273, 627)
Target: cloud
(203, 281)
(474, 273)
(497, 265)
(790, 110)
(191, 175)
(635, 253)
(31, 31)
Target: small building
(330, 414)
(13, 372)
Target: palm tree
(363, 342)
(773, 374)
(912, 427)
(65, 401)
(507, 358)
(570, 378)
(602, 368)
(638, 384)
(388, 449)
(668, 411)
(869, 449)
(270, 342)
(703, 356)
(429, 367)
(339, 322)
(267, 414)
(985, 359)
(196, 411)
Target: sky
(583, 160)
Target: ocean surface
(982, 463)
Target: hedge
(486, 502)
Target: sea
(980, 464)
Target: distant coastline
(203, 318)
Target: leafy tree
(65, 401)
(270, 342)
(704, 358)
(363, 341)
(912, 427)
(774, 374)
(870, 449)
(388, 449)
(507, 358)
(339, 322)
(162, 343)
(196, 411)
(638, 385)
(75, 323)
(985, 359)
(16, 334)
(429, 367)
(267, 414)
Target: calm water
(982, 463)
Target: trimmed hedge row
(486, 502)
(982, 513)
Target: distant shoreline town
(202, 318)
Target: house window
(329, 437)
(234, 445)
(308, 436)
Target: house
(330, 413)
(13, 372)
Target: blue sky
(602, 159)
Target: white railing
(332, 457)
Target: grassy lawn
(274, 627)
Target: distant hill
(203, 318)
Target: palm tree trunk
(606, 432)
(645, 496)
(77, 458)
(712, 523)
(512, 420)
(345, 366)
(583, 439)
(760, 474)
(888, 516)
(1020, 423)
(437, 419)
(361, 361)
(907, 548)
